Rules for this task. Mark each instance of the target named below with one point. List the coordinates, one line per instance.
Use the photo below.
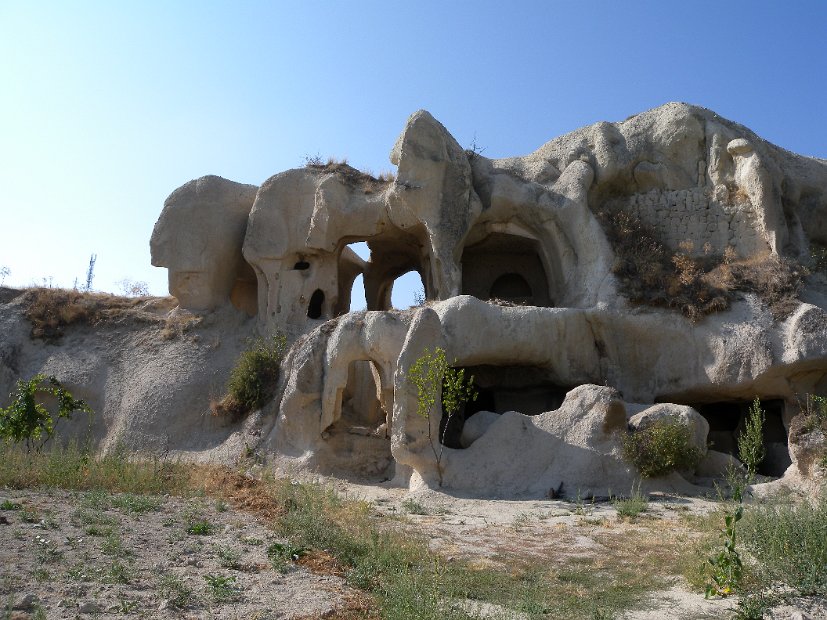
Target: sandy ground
(69, 555)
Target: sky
(107, 107)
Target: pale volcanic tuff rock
(521, 277)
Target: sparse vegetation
(222, 588)
(653, 275)
(283, 554)
(663, 447)
(174, 590)
(27, 419)
(790, 544)
(51, 310)
(253, 378)
(350, 175)
(632, 506)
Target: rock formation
(670, 265)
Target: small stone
(26, 602)
(89, 607)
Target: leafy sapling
(431, 374)
(28, 420)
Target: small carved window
(314, 308)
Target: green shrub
(790, 544)
(751, 440)
(663, 447)
(254, 377)
(28, 420)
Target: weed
(633, 505)
(221, 588)
(228, 557)
(727, 568)
(173, 589)
(112, 544)
(252, 541)
(663, 447)
(754, 606)
(199, 527)
(118, 573)
(47, 550)
(221, 505)
(126, 607)
(413, 507)
(136, 504)
(69, 466)
(7, 504)
(253, 378)
(751, 449)
(30, 515)
(521, 520)
(282, 554)
(790, 544)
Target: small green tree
(28, 420)
(751, 449)
(431, 373)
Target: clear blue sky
(106, 107)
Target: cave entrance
(244, 294)
(507, 267)
(728, 418)
(359, 440)
(526, 389)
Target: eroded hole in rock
(727, 419)
(314, 308)
(407, 290)
(244, 294)
(359, 438)
(351, 268)
(507, 267)
(301, 265)
(526, 389)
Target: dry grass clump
(350, 175)
(51, 310)
(653, 275)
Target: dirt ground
(69, 555)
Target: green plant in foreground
(727, 568)
(790, 545)
(174, 590)
(282, 554)
(199, 527)
(28, 420)
(633, 505)
(431, 373)
(221, 587)
(661, 448)
(751, 449)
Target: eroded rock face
(523, 289)
(198, 239)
